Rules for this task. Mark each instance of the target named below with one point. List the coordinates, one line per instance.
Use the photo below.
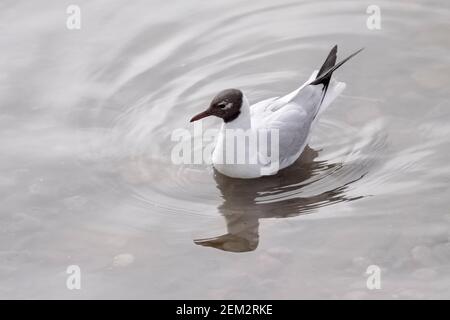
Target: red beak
(201, 115)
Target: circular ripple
(155, 89)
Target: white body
(293, 115)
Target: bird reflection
(245, 201)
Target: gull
(281, 126)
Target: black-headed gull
(283, 123)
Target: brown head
(226, 105)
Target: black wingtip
(326, 75)
(329, 63)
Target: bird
(281, 126)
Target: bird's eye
(225, 105)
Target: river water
(86, 172)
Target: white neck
(243, 121)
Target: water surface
(86, 121)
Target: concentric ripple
(157, 85)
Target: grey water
(86, 172)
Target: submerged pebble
(123, 260)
